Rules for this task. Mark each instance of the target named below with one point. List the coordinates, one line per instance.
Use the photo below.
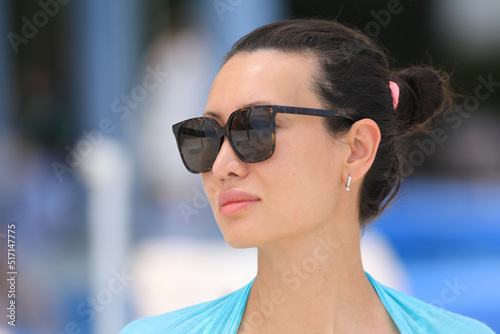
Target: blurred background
(109, 225)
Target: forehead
(276, 77)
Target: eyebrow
(216, 115)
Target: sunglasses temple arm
(305, 111)
(311, 112)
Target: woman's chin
(240, 241)
(247, 240)
(244, 239)
(247, 231)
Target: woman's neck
(313, 283)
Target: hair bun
(422, 96)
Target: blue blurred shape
(448, 234)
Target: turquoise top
(224, 315)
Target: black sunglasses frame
(273, 110)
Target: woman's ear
(363, 138)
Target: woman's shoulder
(216, 316)
(412, 315)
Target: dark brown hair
(353, 77)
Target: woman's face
(296, 191)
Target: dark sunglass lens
(251, 134)
(199, 144)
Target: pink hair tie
(395, 93)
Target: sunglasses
(251, 132)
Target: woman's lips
(233, 201)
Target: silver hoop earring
(348, 185)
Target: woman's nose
(227, 162)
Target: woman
(309, 157)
